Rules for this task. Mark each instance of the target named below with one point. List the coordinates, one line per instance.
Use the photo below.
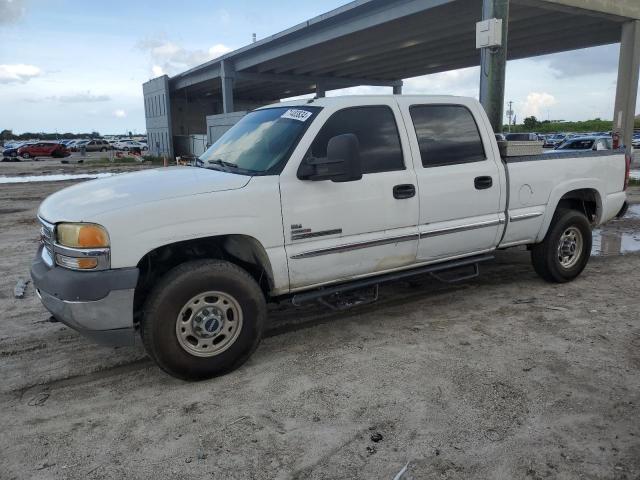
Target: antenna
(253, 37)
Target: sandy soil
(501, 377)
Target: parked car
(75, 146)
(130, 145)
(368, 189)
(43, 149)
(552, 141)
(11, 150)
(583, 144)
(97, 146)
(635, 142)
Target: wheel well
(585, 200)
(242, 250)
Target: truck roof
(352, 100)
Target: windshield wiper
(222, 163)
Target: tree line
(532, 124)
(7, 134)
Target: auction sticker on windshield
(293, 114)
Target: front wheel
(26, 155)
(566, 248)
(204, 318)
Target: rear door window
(377, 132)
(447, 135)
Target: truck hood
(84, 201)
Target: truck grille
(46, 238)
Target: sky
(78, 66)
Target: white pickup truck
(304, 201)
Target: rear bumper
(99, 305)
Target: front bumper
(97, 304)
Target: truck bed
(537, 183)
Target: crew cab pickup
(304, 201)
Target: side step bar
(313, 295)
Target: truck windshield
(260, 142)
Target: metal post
(493, 65)
(227, 75)
(627, 89)
(321, 91)
(397, 89)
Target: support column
(627, 88)
(227, 76)
(493, 65)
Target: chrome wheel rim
(570, 247)
(209, 324)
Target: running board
(302, 298)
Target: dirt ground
(502, 377)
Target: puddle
(54, 178)
(612, 239)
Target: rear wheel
(204, 318)
(103, 149)
(566, 248)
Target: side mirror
(342, 163)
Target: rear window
(577, 145)
(447, 135)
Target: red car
(43, 149)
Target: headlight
(82, 235)
(82, 246)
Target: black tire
(25, 155)
(545, 256)
(174, 291)
(103, 149)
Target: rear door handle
(482, 183)
(405, 190)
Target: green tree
(6, 135)
(530, 123)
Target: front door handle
(405, 190)
(482, 183)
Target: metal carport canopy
(377, 42)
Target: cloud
(119, 113)
(218, 50)
(578, 63)
(87, 97)
(171, 58)
(463, 82)
(12, 10)
(536, 102)
(18, 73)
(83, 97)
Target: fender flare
(561, 190)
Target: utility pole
(510, 114)
(493, 64)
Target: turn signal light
(76, 263)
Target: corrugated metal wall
(157, 110)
